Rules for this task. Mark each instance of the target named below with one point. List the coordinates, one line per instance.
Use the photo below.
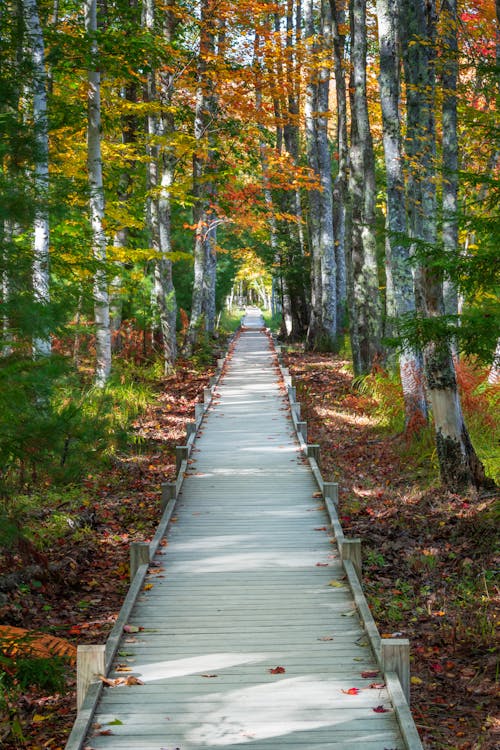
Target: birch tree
(41, 275)
(459, 465)
(449, 78)
(160, 178)
(323, 328)
(400, 287)
(97, 204)
(203, 186)
(365, 309)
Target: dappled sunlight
(162, 670)
(269, 710)
(245, 561)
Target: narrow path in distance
(249, 635)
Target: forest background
(336, 162)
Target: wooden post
(331, 490)
(302, 428)
(296, 410)
(167, 493)
(199, 410)
(139, 555)
(285, 371)
(220, 364)
(212, 380)
(207, 395)
(288, 380)
(351, 550)
(395, 657)
(292, 393)
(190, 428)
(313, 451)
(89, 664)
(181, 454)
(277, 349)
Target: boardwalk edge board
(85, 715)
(394, 680)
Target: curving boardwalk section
(249, 581)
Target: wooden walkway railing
(246, 623)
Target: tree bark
(449, 78)
(160, 178)
(97, 205)
(340, 186)
(204, 245)
(459, 465)
(366, 326)
(41, 276)
(400, 287)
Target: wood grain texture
(250, 580)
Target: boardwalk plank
(237, 590)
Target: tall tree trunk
(311, 107)
(449, 79)
(329, 305)
(204, 245)
(121, 237)
(164, 287)
(94, 160)
(459, 465)
(340, 186)
(160, 178)
(400, 287)
(41, 277)
(366, 326)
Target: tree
(400, 287)
(365, 311)
(96, 187)
(160, 178)
(459, 465)
(41, 279)
(323, 325)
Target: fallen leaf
(373, 673)
(133, 681)
(336, 584)
(123, 668)
(104, 732)
(377, 685)
(321, 565)
(131, 628)
(277, 670)
(320, 528)
(317, 494)
(148, 586)
(352, 691)
(115, 722)
(380, 710)
(416, 681)
(326, 638)
(209, 675)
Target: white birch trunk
(400, 288)
(340, 191)
(450, 146)
(459, 465)
(94, 160)
(41, 277)
(366, 302)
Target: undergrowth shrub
(480, 403)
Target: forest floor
(428, 558)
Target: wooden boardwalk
(249, 581)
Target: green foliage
(28, 672)
(230, 320)
(51, 425)
(273, 322)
